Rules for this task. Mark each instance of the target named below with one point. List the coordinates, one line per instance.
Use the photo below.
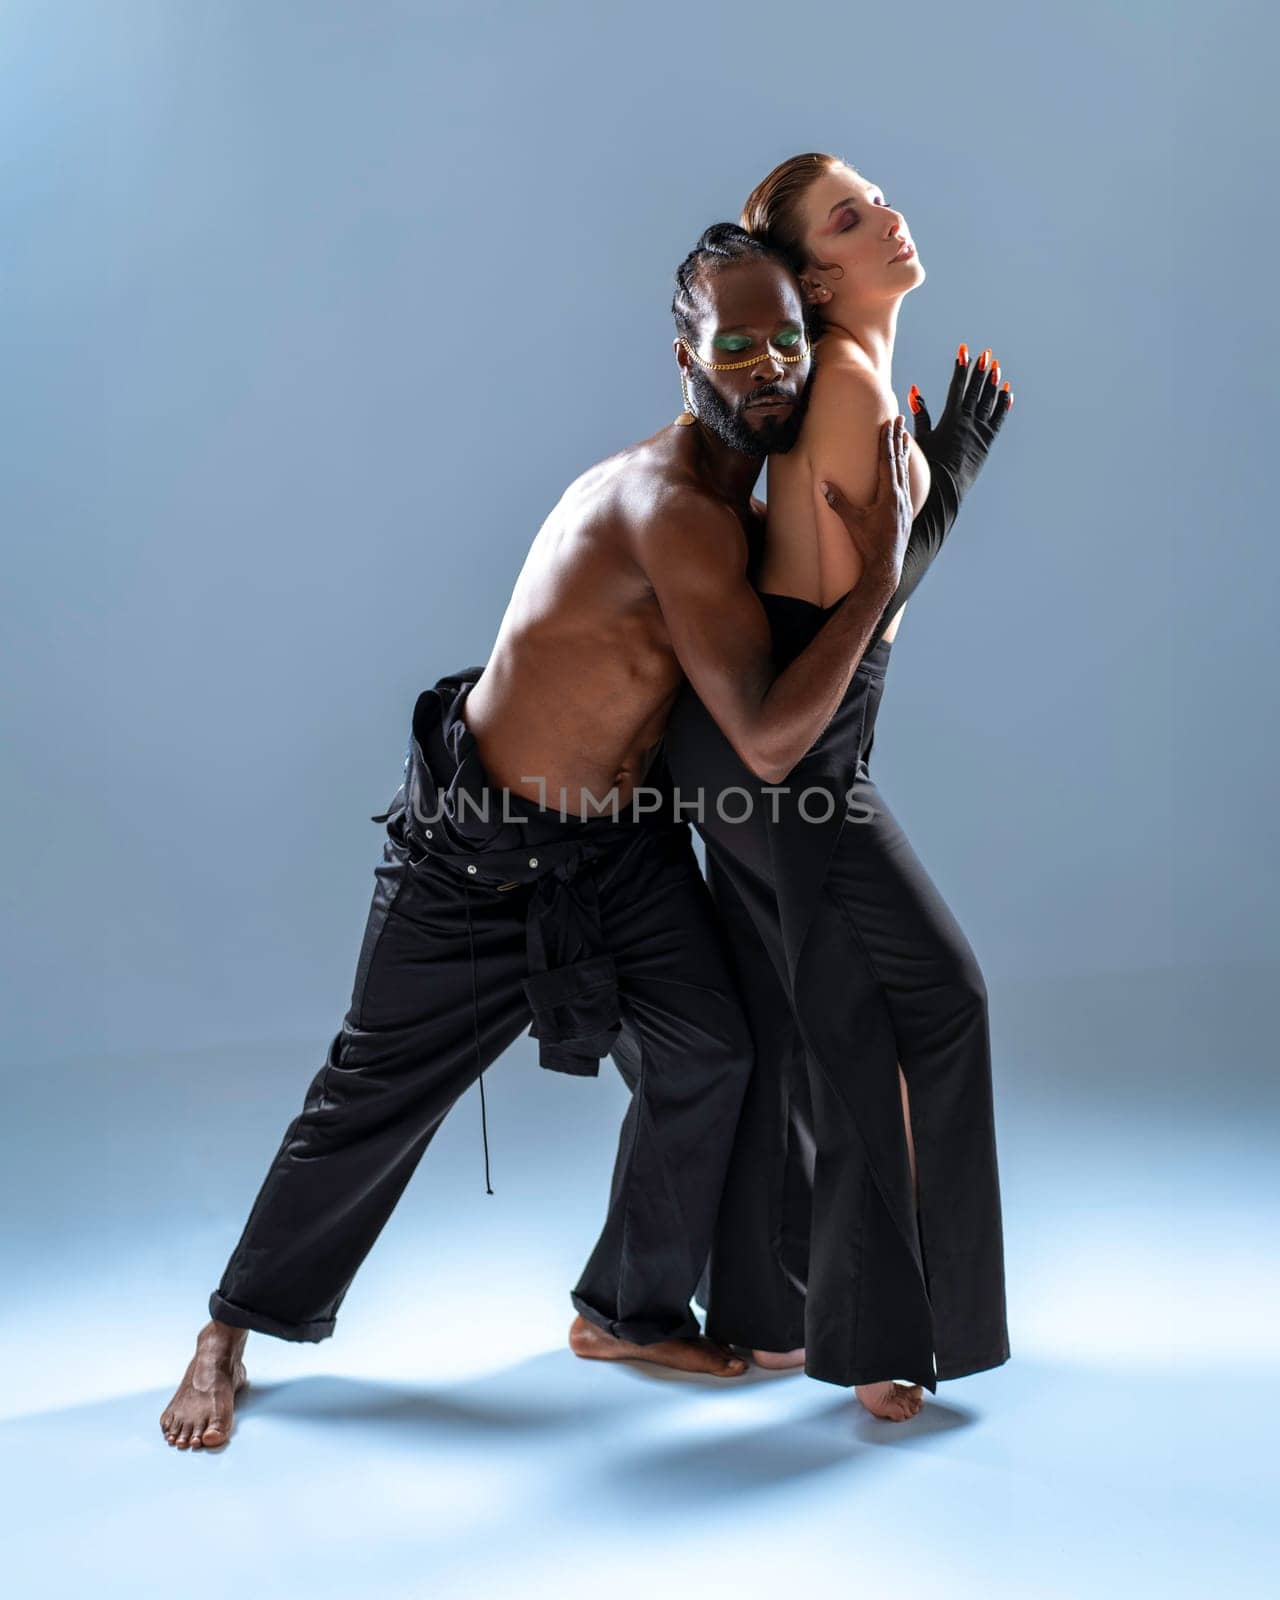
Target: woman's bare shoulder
(840, 436)
(843, 376)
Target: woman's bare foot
(686, 1355)
(895, 1402)
(199, 1415)
(778, 1360)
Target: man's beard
(773, 436)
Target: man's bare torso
(582, 675)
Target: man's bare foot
(895, 1402)
(199, 1415)
(686, 1355)
(778, 1360)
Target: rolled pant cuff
(634, 1331)
(242, 1317)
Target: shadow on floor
(556, 1394)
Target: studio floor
(445, 1442)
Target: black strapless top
(703, 764)
(698, 752)
(793, 622)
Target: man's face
(751, 312)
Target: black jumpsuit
(602, 934)
(850, 963)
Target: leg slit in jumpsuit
(850, 963)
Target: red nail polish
(983, 359)
(962, 355)
(913, 400)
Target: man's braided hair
(723, 244)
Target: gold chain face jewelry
(733, 366)
(687, 418)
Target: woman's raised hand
(977, 404)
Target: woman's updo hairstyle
(772, 213)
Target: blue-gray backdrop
(310, 311)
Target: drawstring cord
(475, 1016)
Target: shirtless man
(637, 578)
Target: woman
(860, 1232)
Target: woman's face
(853, 238)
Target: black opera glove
(976, 407)
(955, 451)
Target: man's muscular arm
(693, 552)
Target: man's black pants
(413, 1042)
